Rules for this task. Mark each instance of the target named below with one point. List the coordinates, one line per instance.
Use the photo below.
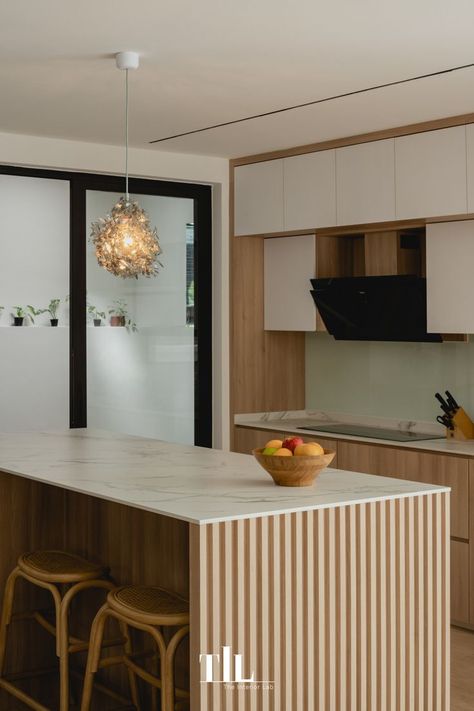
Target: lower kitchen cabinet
(437, 469)
(401, 463)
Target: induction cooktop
(372, 432)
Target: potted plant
(95, 315)
(32, 312)
(119, 315)
(19, 314)
(52, 310)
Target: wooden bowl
(294, 471)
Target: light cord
(127, 195)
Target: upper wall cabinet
(258, 205)
(289, 264)
(449, 284)
(310, 190)
(470, 166)
(365, 183)
(431, 173)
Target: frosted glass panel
(142, 381)
(34, 269)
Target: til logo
(225, 662)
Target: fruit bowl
(294, 471)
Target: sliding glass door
(34, 308)
(75, 361)
(140, 334)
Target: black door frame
(202, 197)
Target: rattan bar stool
(64, 575)
(150, 609)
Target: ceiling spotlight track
(315, 102)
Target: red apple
(291, 443)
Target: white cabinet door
(310, 190)
(365, 183)
(258, 205)
(289, 264)
(470, 166)
(430, 171)
(450, 285)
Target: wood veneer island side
(336, 596)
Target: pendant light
(125, 243)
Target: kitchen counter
(193, 484)
(292, 422)
(325, 592)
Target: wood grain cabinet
(365, 180)
(449, 282)
(433, 469)
(289, 264)
(310, 190)
(258, 198)
(430, 171)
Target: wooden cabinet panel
(289, 264)
(310, 190)
(430, 171)
(258, 198)
(416, 466)
(248, 438)
(365, 180)
(449, 259)
(459, 582)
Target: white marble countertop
(190, 483)
(293, 422)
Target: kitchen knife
(444, 405)
(451, 401)
(446, 421)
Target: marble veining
(327, 417)
(191, 483)
(293, 421)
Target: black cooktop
(372, 432)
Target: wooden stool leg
(160, 643)
(154, 690)
(131, 674)
(7, 609)
(169, 666)
(95, 645)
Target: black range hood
(374, 308)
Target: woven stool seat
(59, 567)
(151, 605)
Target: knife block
(463, 426)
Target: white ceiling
(211, 61)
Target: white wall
(33, 151)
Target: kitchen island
(335, 596)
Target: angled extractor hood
(374, 308)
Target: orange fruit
(310, 449)
(283, 452)
(276, 443)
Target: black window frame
(201, 195)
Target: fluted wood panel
(343, 609)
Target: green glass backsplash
(387, 379)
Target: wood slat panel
(353, 613)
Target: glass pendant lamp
(126, 245)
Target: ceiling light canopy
(125, 243)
